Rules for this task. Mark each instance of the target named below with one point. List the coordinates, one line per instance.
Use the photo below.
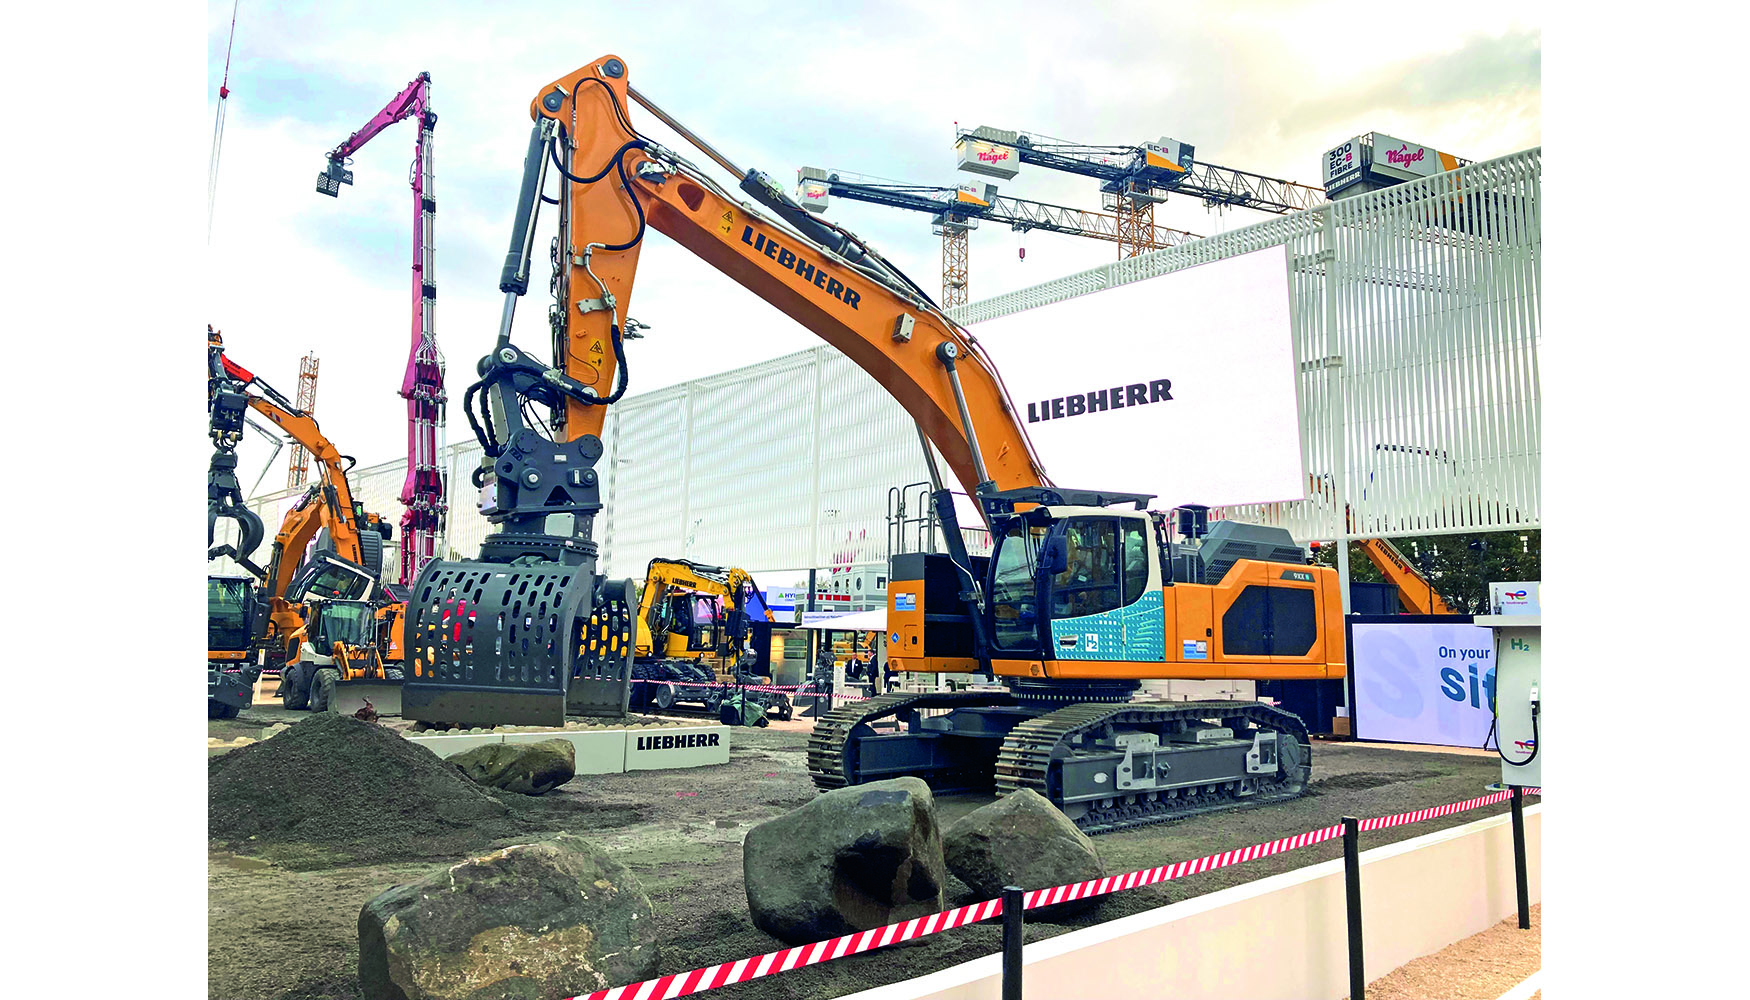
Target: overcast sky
(875, 88)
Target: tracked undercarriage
(1107, 764)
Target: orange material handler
(1085, 596)
(324, 621)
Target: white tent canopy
(857, 621)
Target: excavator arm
(329, 504)
(1415, 590)
(616, 182)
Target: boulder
(851, 860)
(529, 768)
(1021, 839)
(553, 919)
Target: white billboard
(1182, 386)
(1422, 683)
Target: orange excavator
(1085, 596)
(321, 615)
(1415, 591)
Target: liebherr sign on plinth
(1182, 385)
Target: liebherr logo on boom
(788, 258)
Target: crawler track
(1029, 753)
(1027, 757)
(833, 731)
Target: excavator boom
(887, 326)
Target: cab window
(1014, 594)
(1135, 559)
(1089, 583)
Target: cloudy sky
(875, 88)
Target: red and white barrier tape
(711, 977)
(795, 691)
(1382, 822)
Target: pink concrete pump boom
(422, 492)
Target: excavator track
(1034, 746)
(832, 732)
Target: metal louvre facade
(1417, 317)
(784, 465)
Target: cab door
(1106, 604)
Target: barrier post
(1519, 880)
(1352, 883)
(1013, 917)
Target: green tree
(1460, 569)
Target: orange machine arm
(1414, 590)
(893, 336)
(329, 507)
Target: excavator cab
(233, 611)
(331, 578)
(1075, 584)
(350, 622)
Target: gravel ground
(1481, 967)
(278, 934)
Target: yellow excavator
(1086, 593)
(704, 633)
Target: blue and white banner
(1422, 682)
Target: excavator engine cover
(494, 643)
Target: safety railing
(1015, 901)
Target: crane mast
(422, 384)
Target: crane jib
(796, 262)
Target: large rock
(529, 768)
(853, 859)
(553, 919)
(1021, 839)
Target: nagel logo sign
(1403, 157)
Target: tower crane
(957, 210)
(1133, 178)
(422, 492)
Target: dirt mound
(334, 790)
